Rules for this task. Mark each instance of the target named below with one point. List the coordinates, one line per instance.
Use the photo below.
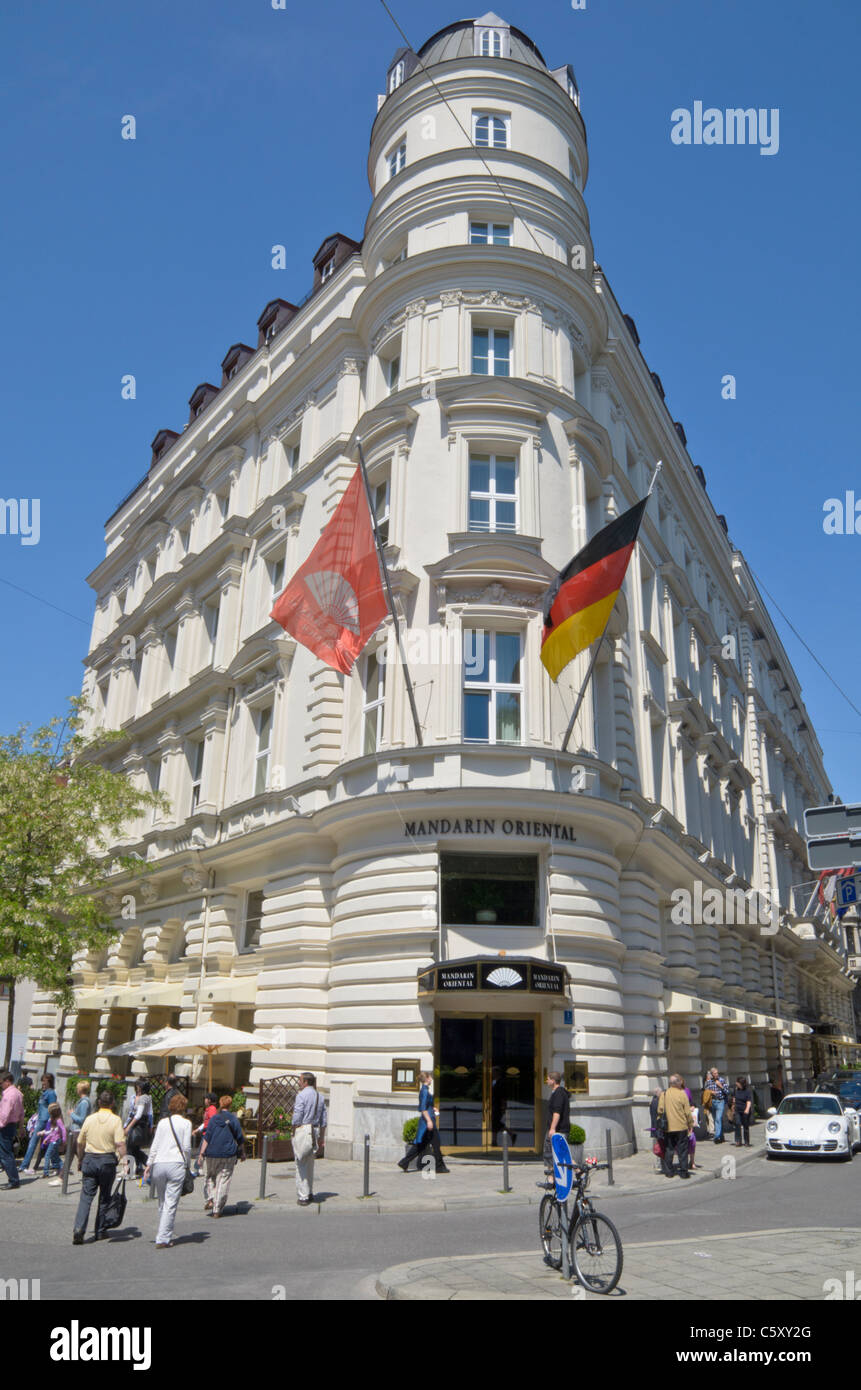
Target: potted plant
(577, 1138)
(280, 1136)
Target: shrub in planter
(238, 1104)
(576, 1135)
(411, 1129)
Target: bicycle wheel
(550, 1225)
(596, 1252)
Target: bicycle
(594, 1247)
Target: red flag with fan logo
(335, 601)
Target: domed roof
(457, 41)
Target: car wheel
(850, 1149)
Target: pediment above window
(590, 441)
(509, 574)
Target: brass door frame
(486, 1067)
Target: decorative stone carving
(149, 893)
(450, 297)
(601, 379)
(193, 879)
(351, 366)
(492, 593)
(112, 902)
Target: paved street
(806, 1214)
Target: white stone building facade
(315, 860)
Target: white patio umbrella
(131, 1049)
(209, 1038)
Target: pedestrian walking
(83, 1107)
(309, 1112)
(743, 1102)
(11, 1115)
(53, 1138)
(720, 1089)
(427, 1134)
(47, 1098)
(101, 1143)
(675, 1105)
(210, 1108)
(139, 1127)
(172, 1090)
(169, 1156)
(223, 1143)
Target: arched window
(490, 43)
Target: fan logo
(504, 977)
(334, 597)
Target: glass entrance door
(487, 1073)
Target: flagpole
(388, 584)
(584, 686)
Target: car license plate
(801, 1144)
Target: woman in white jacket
(169, 1155)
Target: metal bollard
(566, 1261)
(264, 1158)
(610, 1178)
(506, 1185)
(71, 1147)
(367, 1167)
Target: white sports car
(813, 1124)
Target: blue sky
(153, 256)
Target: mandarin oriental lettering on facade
(478, 899)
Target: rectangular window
(490, 44)
(492, 689)
(373, 703)
(490, 131)
(211, 612)
(253, 921)
(492, 493)
(396, 77)
(328, 270)
(393, 373)
(380, 494)
(491, 351)
(275, 573)
(490, 233)
(485, 889)
(397, 159)
(264, 739)
(195, 764)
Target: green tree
(62, 810)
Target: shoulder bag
(188, 1180)
(661, 1125)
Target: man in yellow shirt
(680, 1121)
(101, 1141)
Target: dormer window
(572, 91)
(328, 270)
(396, 77)
(490, 43)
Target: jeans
(167, 1180)
(718, 1107)
(677, 1143)
(430, 1141)
(99, 1171)
(31, 1149)
(52, 1159)
(7, 1158)
(219, 1171)
(303, 1152)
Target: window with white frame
(491, 351)
(572, 91)
(328, 270)
(490, 233)
(490, 43)
(252, 924)
(292, 452)
(492, 686)
(380, 495)
(492, 493)
(397, 159)
(396, 77)
(373, 702)
(263, 723)
(393, 372)
(195, 766)
(491, 131)
(275, 576)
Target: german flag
(579, 602)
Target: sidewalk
(799, 1263)
(472, 1183)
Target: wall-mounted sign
(405, 1074)
(478, 825)
(500, 975)
(576, 1077)
(693, 1030)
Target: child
(52, 1138)
(211, 1108)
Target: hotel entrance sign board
(502, 975)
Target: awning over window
(230, 989)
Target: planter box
(278, 1150)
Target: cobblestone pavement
(788, 1264)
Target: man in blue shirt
(719, 1086)
(46, 1100)
(309, 1115)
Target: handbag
(188, 1180)
(115, 1207)
(661, 1125)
